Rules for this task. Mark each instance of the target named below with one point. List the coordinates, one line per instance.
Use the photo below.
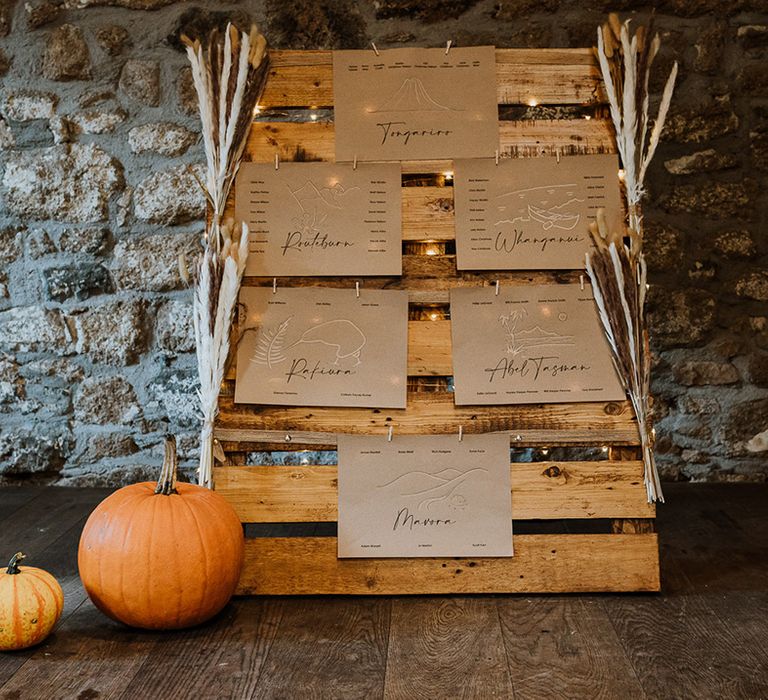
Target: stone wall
(97, 136)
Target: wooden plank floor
(705, 636)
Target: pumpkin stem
(166, 485)
(13, 565)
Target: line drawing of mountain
(549, 188)
(412, 96)
(436, 475)
(317, 203)
(518, 340)
(435, 493)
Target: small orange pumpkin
(31, 601)
(163, 556)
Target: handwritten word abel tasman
(530, 345)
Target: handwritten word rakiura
(300, 368)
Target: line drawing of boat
(549, 218)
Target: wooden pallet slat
(316, 141)
(548, 76)
(540, 491)
(542, 564)
(436, 413)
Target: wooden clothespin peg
(497, 287)
(274, 285)
(375, 50)
(581, 282)
(277, 161)
(448, 46)
(357, 289)
(389, 433)
(461, 433)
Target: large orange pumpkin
(31, 601)
(162, 556)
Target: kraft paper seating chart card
(415, 104)
(321, 218)
(530, 344)
(532, 213)
(424, 496)
(323, 347)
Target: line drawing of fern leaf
(271, 344)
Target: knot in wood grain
(443, 204)
(614, 409)
(553, 471)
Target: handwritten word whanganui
(504, 245)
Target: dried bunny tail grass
(618, 275)
(219, 278)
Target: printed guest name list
(415, 104)
(310, 219)
(532, 213)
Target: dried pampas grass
(625, 63)
(229, 72)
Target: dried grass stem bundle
(229, 73)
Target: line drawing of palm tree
(509, 322)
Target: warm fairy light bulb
(545, 450)
(313, 117)
(257, 110)
(587, 117)
(448, 174)
(605, 448)
(533, 102)
(433, 316)
(621, 174)
(431, 251)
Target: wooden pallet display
(607, 541)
